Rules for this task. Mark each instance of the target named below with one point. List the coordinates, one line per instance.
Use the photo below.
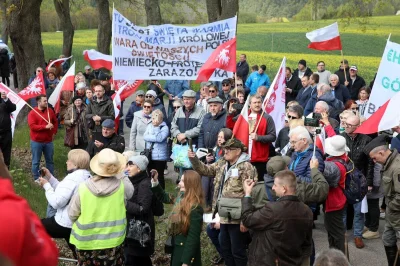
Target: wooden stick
(48, 113)
(236, 85)
(344, 69)
(36, 112)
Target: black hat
(226, 81)
(381, 140)
(76, 97)
(303, 62)
(103, 76)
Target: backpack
(355, 187)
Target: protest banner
(387, 81)
(166, 52)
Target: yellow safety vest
(102, 223)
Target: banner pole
(236, 89)
(344, 69)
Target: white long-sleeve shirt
(59, 194)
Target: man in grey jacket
(188, 119)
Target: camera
(314, 121)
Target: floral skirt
(101, 257)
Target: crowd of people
(260, 201)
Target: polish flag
(35, 88)
(66, 84)
(274, 102)
(241, 128)
(387, 117)
(126, 89)
(224, 57)
(325, 39)
(98, 60)
(18, 101)
(57, 62)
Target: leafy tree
(383, 8)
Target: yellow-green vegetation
(267, 43)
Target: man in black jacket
(356, 143)
(99, 109)
(343, 71)
(293, 85)
(339, 91)
(6, 108)
(107, 139)
(302, 70)
(242, 68)
(355, 83)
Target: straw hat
(108, 163)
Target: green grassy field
(363, 44)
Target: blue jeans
(37, 148)
(50, 212)
(213, 234)
(233, 245)
(358, 222)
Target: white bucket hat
(336, 146)
(108, 163)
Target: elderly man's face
(262, 91)
(298, 144)
(334, 81)
(107, 132)
(188, 102)
(319, 109)
(215, 108)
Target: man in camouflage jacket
(230, 173)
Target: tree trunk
(4, 32)
(221, 9)
(104, 27)
(153, 12)
(63, 12)
(23, 24)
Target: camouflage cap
(234, 143)
(276, 164)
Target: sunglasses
(212, 91)
(177, 107)
(239, 85)
(226, 84)
(292, 117)
(149, 96)
(146, 106)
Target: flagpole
(36, 112)
(344, 69)
(236, 85)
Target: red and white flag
(35, 88)
(57, 62)
(18, 101)
(386, 117)
(325, 39)
(126, 89)
(274, 102)
(98, 60)
(241, 128)
(66, 84)
(224, 57)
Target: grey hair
(324, 105)
(379, 148)
(301, 133)
(324, 88)
(334, 76)
(331, 257)
(256, 96)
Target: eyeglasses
(149, 96)
(239, 85)
(146, 106)
(349, 125)
(292, 117)
(212, 91)
(177, 107)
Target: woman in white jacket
(141, 119)
(59, 193)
